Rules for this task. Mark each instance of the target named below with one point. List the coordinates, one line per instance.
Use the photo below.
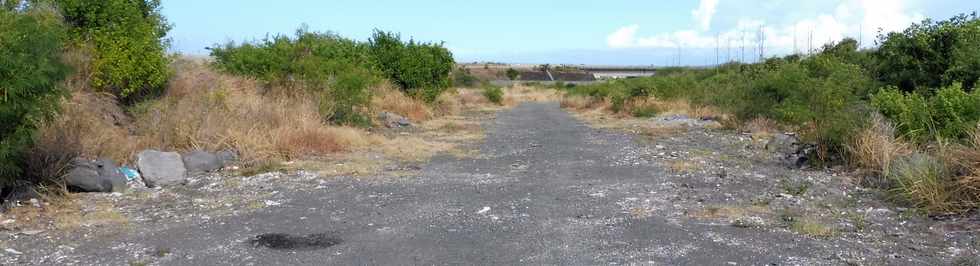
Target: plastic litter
(130, 173)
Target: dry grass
(447, 104)
(520, 94)
(966, 161)
(812, 228)
(203, 109)
(64, 212)
(388, 98)
(730, 212)
(876, 147)
(760, 125)
(579, 102)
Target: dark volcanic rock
(101, 175)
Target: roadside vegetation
(907, 112)
(92, 80)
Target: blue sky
(618, 32)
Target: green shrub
(128, 40)
(494, 94)
(421, 69)
(951, 114)
(340, 71)
(513, 74)
(31, 72)
(463, 78)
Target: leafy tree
(128, 39)
(31, 72)
(931, 54)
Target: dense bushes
(127, 43)
(931, 55)
(31, 72)
(421, 69)
(339, 70)
(921, 80)
(819, 94)
(951, 114)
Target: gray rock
(200, 162)
(392, 120)
(96, 176)
(227, 157)
(783, 143)
(161, 168)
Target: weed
(812, 228)
(266, 167)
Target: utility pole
(860, 35)
(741, 54)
(717, 49)
(794, 40)
(809, 48)
(762, 44)
(728, 54)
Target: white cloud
(623, 37)
(705, 12)
(851, 18)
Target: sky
(609, 32)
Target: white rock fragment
(13, 251)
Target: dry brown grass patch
(388, 98)
(876, 147)
(580, 102)
(729, 212)
(519, 94)
(64, 212)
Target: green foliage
(952, 113)
(463, 78)
(931, 54)
(820, 94)
(421, 69)
(31, 71)
(513, 74)
(494, 94)
(129, 41)
(340, 71)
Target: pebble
(13, 251)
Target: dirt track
(545, 189)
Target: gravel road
(545, 189)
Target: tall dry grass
(203, 109)
(875, 149)
(390, 99)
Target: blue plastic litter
(130, 173)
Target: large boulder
(392, 120)
(200, 162)
(161, 168)
(101, 175)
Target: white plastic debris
(13, 251)
(484, 210)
